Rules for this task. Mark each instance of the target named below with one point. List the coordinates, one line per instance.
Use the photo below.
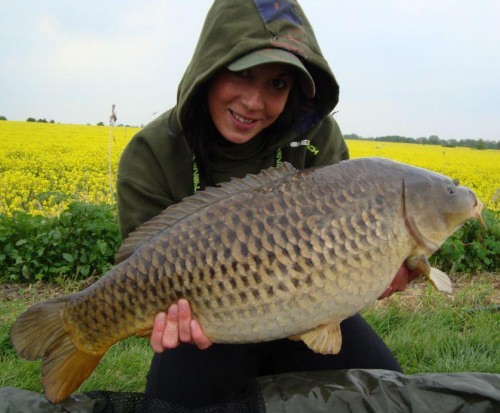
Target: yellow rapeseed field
(477, 169)
(45, 166)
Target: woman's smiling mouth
(241, 119)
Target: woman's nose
(253, 98)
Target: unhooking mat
(353, 391)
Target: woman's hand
(175, 327)
(400, 281)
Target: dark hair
(202, 131)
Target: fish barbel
(284, 253)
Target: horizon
(352, 136)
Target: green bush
(472, 248)
(80, 242)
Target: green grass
(431, 332)
(427, 331)
(123, 368)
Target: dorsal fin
(188, 206)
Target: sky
(409, 68)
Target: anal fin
(324, 339)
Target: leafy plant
(472, 248)
(80, 242)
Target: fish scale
(285, 253)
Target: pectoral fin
(439, 279)
(324, 339)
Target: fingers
(184, 325)
(157, 334)
(170, 338)
(401, 280)
(412, 274)
(386, 293)
(176, 327)
(399, 283)
(199, 337)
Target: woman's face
(244, 103)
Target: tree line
(43, 120)
(433, 140)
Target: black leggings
(197, 378)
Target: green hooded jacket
(156, 168)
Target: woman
(256, 93)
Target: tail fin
(39, 333)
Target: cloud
(413, 68)
(73, 63)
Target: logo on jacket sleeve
(305, 142)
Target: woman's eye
(279, 83)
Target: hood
(234, 28)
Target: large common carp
(285, 253)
